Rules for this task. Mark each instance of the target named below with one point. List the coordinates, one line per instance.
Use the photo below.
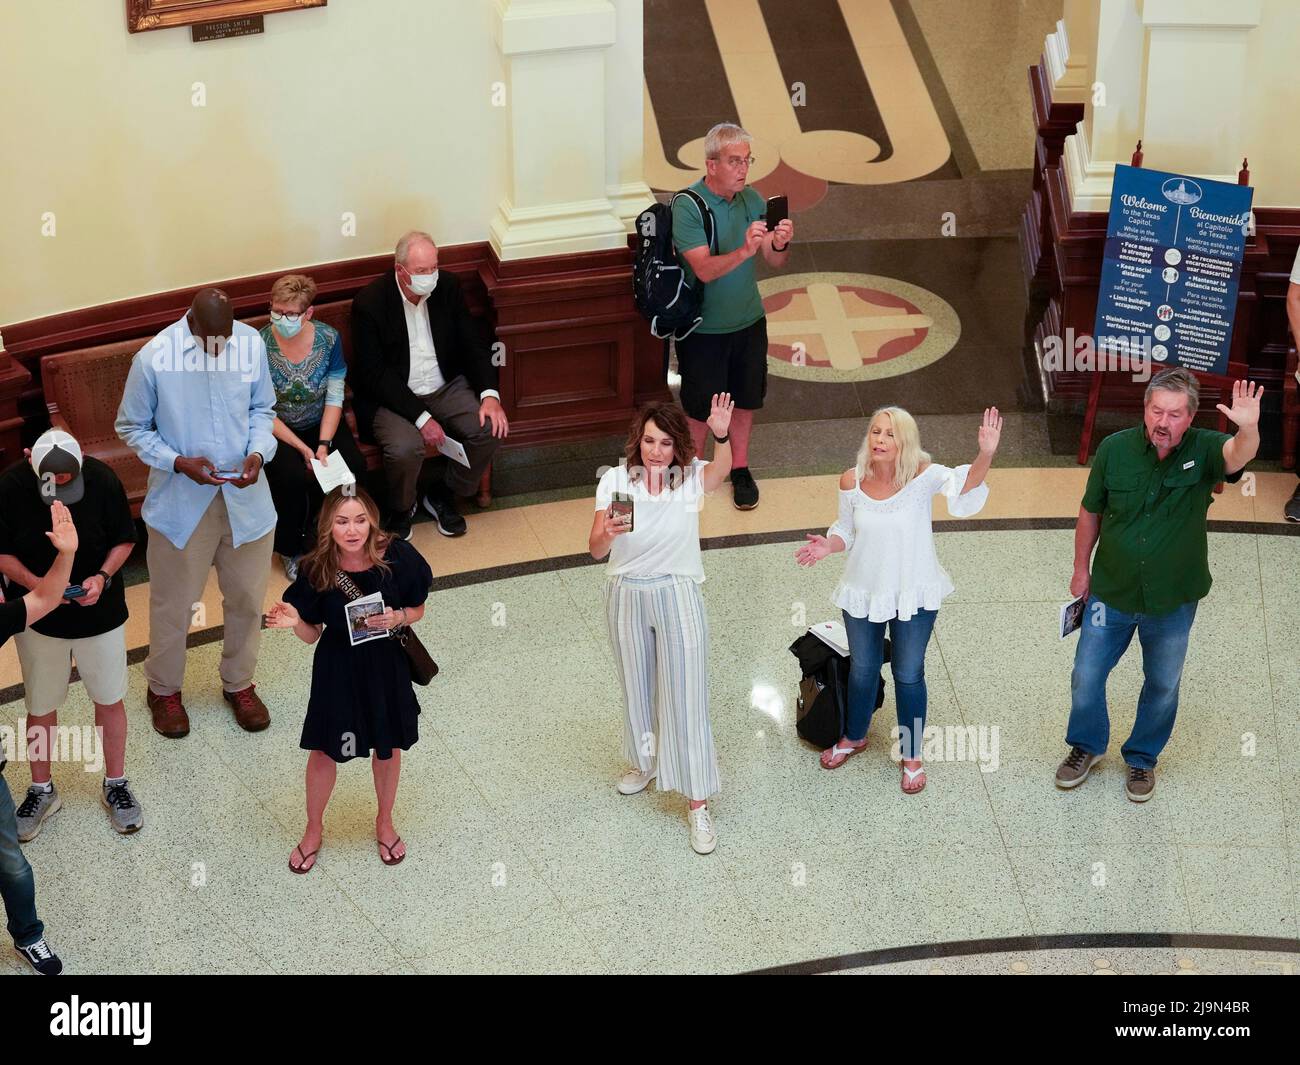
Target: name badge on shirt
(1188, 465)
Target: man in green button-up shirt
(1146, 500)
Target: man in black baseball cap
(89, 625)
(56, 458)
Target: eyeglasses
(736, 161)
(276, 316)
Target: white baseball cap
(58, 452)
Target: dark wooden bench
(83, 389)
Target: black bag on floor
(823, 703)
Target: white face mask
(422, 284)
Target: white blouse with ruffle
(892, 569)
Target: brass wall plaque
(231, 27)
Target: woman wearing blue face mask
(307, 372)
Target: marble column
(1171, 73)
(625, 183)
(1070, 52)
(557, 198)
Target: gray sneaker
(1076, 767)
(123, 810)
(35, 808)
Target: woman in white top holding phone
(892, 576)
(648, 523)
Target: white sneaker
(703, 838)
(634, 781)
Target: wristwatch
(108, 577)
(781, 248)
(722, 439)
(328, 445)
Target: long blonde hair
(321, 563)
(908, 438)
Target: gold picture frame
(143, 15)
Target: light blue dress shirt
(181, 401)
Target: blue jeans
(17, 884)
(1103, 639)
(907, 662)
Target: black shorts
(723, 362)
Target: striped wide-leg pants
(660, 638)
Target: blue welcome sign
(1173, 262)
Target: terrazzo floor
(522, 857)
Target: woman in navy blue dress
(362, 701)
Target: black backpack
(664, 295)
(822, 707)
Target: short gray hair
(1176, 379)
(415, 236)
(721, 135)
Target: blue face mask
(287, 328)
(423, 284)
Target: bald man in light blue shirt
(198, 410)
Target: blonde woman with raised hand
(892, 576)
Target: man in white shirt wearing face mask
(422, 371)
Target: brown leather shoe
(169, 717)
(1076, 767)
(1141, 783)
(250, 711)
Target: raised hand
(720, 413)
(816, 549)
(990, 431)
(62, 534)
(1245, 404)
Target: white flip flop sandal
(847, 752)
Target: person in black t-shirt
(17, 883)
(90, 628)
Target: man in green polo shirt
(727, 352)
(1146, 498)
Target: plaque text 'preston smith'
(231, 27)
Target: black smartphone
(778, 210)
(621, 505)
(73, 591)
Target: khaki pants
(176, 580)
